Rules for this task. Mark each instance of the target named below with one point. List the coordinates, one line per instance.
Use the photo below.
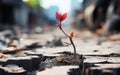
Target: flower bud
(61, 17)
(59, 25)
(71, 34)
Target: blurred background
(31, 25)
(26, 16)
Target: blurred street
(31, 41)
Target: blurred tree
(35, 3)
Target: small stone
(48, 63)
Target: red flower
(71, 34)
(61, 17)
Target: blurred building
(17, 12)
(98, 16)
(7, 10)
(50, 14)
(75, 4)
